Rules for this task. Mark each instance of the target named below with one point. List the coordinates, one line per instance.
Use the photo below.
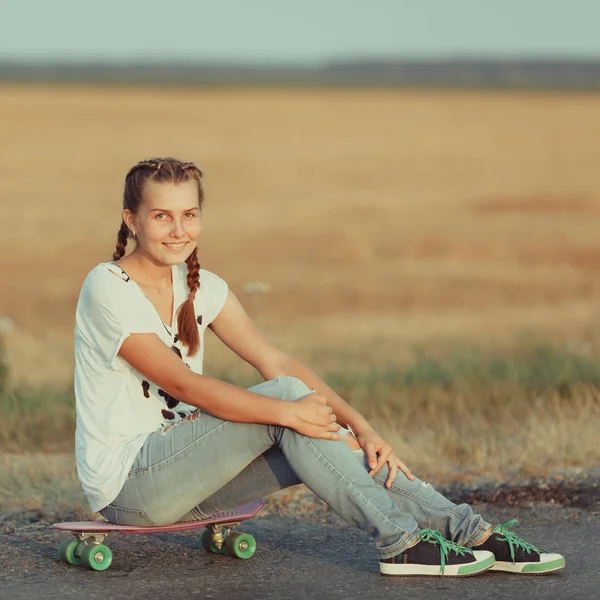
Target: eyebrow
(165, 210)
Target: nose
(177, 231)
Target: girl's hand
(313, 417)
(379, 453)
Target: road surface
(296, 558)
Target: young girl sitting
(158, 442)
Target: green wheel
(96, 557)
(240, 545)
(66, 552)
(207, 543)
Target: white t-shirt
(117, 407)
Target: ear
(129, 219)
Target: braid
(164, 169)
(186, 317)
(121, 241)
(193, 276)
(144, 164)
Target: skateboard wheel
(66, 552)
(240, 545)
(96, 557)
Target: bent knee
(294, 388)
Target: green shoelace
(514, 541)
(435, 537)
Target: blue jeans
(203, 464)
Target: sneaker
(515, 555)
(434, 555)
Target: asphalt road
(295, 559)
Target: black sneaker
(434, 555)
(515, 555)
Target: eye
(190, 214)
(161, 215)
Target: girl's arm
(236, 330)
(147, 353)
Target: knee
(294, 388)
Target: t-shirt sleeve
(108, 312)
(213, 295)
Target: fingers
(393, 472)
(327, 435)
(317, 410)
(394, 465)
(405, 470)
(371, 454)
(316, 419)
(331, 434)
(326, 419)
(384, 454)
(324, 431)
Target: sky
(306, 32)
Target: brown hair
(163, 170)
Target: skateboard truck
(88, 538)
(220, 533)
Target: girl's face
(167, 224)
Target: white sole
(547, 564)
(484, 560)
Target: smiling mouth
(177, 246)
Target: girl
(158, 442)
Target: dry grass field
(408, 217)
(382, 220)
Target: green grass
(37, 420)
(534, 370)
(528, 412)
(463, 415)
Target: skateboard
(218, 536)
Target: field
(434, 254)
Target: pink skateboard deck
(218, 537)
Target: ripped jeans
(203, 465)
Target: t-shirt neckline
(127, 279)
